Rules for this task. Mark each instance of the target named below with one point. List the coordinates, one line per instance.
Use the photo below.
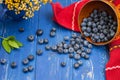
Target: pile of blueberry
(99, 26)
(75, 46)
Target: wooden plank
(11, 28)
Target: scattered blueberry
(41, 41)
(53, 29)
(21, 29)
(39, 52)
(76, 65)
(71, 55)
(46, 41)
(77, 56)
(25, 61)
(80, 62)
(63, 64)
(13, 65)
(52, 34)
(31, 57)
(54, 48)
(30, 37)
(39, 32)
(25, 69)
(30, 68)
(47, 47)
(3, 61)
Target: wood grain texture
(47, 66)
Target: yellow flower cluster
(28, 6)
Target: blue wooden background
(47, 66)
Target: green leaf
(19, 43)
(13, 43)
(10, 38)
(6, 46)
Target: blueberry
(30, 68)
(95, 11)
(74, 35)
(80, 62)
(110, 21)
(112, 33)
(46, 41)
(39, 32)
(21, 29)
(89, 24)
(82, 49)
(60, 45)
(98, 40)
(91, 15)
(66, 38)
(83, 24)
(115, 23)
(52, 33)
(25, 69)
(63, 64)
(41, 41)
(110, 17)
(85, 20)
(86, 56)
(104, 13)
(105, 39)
(85, 43)
(106, 18)
(96, 20)
(94, 25)
(79, 51)
(53, 29)
(30, 37)
(95, 30)
(76, 65)
(72, 42)
(76, 47)
(39, 52)
(99, 27)
(65, 50)
(77, 56)
(31, 57)
(90, 46)
(77, 40)
(71, 50)
(105, 31)
(84, 28)
(96, 37)
(65, 46)
(25, 61)
(3, 61)
(89, 19)
(83, 54)
(47, 47)
(93, 40)
(88, 51)
(54, 48)
(86, 34)
(71, 55)
(102, 36)
(88, 29)
(13, 65)
(60, 50)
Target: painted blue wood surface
(47, 66)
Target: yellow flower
(29, 6)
